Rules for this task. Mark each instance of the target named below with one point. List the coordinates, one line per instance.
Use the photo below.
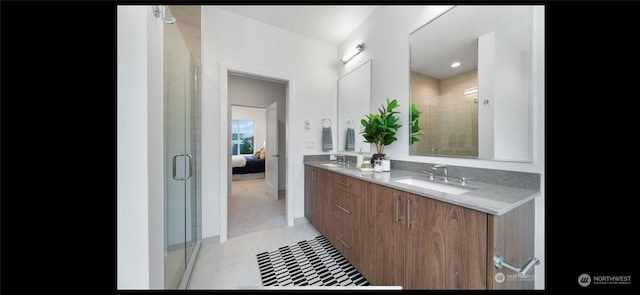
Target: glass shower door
(181, 102)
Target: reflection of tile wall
(423, 89)
(449, 118)
(459, 113)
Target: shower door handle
(190, 166)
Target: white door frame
(225, 161)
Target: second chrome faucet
(445, 172)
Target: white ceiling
(456, 37)
(328, 23)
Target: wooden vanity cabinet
(395, 238)
(512, 236)
(420, 243)
(349, 221)
(311, 211)
(334, 204)
(318, 199)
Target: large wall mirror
(354, 100)
(471, 81)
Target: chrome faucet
(445, 172)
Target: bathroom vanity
(399, 228)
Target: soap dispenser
(359, 159)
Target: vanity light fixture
(351, 54)
(455, 64)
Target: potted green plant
(380, 129)
(415, 123)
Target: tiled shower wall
(449, 118)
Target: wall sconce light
(351, 54)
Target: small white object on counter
(377, 166)
(386, 165)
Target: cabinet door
(446, 245)
(511, 236)
(309, 195)
(384, 237)
(324, 203)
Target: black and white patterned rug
(308, 263)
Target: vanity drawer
(349, 184)
(347, 243)
(348, 209)
(343, 206)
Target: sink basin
(331, 165)
(445, 188)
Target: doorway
(257, 194)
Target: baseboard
(300, 220)
(211, 240)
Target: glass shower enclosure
(182, 233)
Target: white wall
(258, 116)
(386, 36)
(139, 149)
(235, 42)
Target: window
(242, 137)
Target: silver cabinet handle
(409, 222)
(276, 155)
(343, 209)
(341, 241)
(343, 184)
(397, 217)
(190, 166)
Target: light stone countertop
(489, 198)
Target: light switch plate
(307, 124)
